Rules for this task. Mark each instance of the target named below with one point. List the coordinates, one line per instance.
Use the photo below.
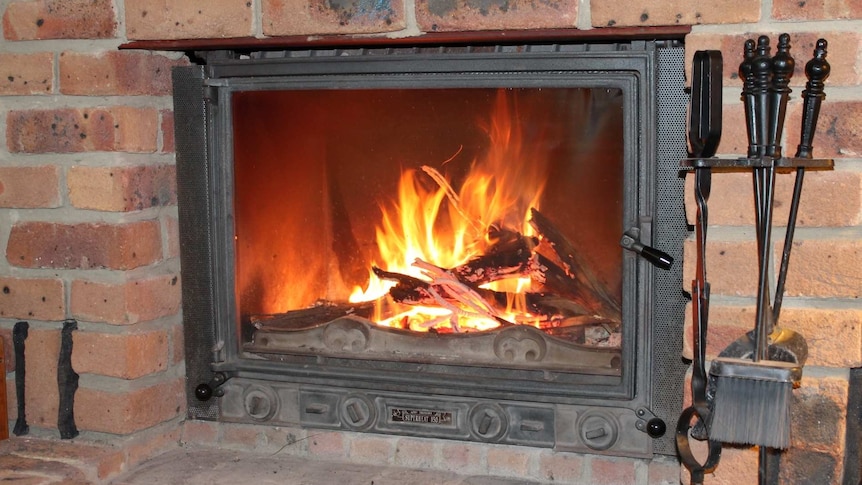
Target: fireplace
(438, 241)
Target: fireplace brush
(753, 389)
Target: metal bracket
(631, 241)
(650, 424)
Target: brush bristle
(751, 412)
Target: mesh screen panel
(670, 231)
(193, 194)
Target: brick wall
(88, 206)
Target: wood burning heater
(465, 242)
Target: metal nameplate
(420, 416)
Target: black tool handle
(779, 92)
(67, 383)
(19, 335)
(704, 132)
(816, 70)
(748, 96)
(761, 72)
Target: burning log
(444, 291)
(562, 271)
(571, 297)
(509, 256)
(311, 317)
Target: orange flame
(434, 223)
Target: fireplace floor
(215, 466)
(38, 461)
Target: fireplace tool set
(745, 399)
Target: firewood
(305, 318)
(571, 277)
(508, 256)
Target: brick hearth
(88, 219)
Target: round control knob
(357, 412)
(488, 422)
(203, 392)
(599, 430)
(260, 403)
(656, 428)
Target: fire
(432, 222)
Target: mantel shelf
(609, 34)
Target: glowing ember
(432, 222)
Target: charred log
(563, 272)
(508, 256)
(311, 317)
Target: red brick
(664, 470)
(168, 143)
(116, 73)
(800, 465)
(122, 188)
(20, 469)
(818, 414)
(84, 245)
(200, 432)
(177, 344)
(834, 336)
(371, 450)
(172, 230)
(838, 128)
(32, 298)
(156, 19)
(816, 9)
(612, 13)
(818, 267)
(26, 73)
(445, 15)
(826, 268)
(562, 467)
(126, 303)
(30, 187)
(843, 50)
(149, 444)
(67, 130)
(242, 436)
(465, 458)
(731, 266)
(509, 461)
(738, 465)
(59, 19)
(127, 355)
(731, 202)
(305, 17)
(611, 471)
(327, 444)
(129, 408)
(414, 453)
(41, 350)
(9, 351)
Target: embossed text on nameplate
(421, 416)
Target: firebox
(463, 242)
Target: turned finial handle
(746, 74)
(816, 70)
(779, 92)
(761, 72)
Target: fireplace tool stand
(748, 391)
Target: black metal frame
(204, 160)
